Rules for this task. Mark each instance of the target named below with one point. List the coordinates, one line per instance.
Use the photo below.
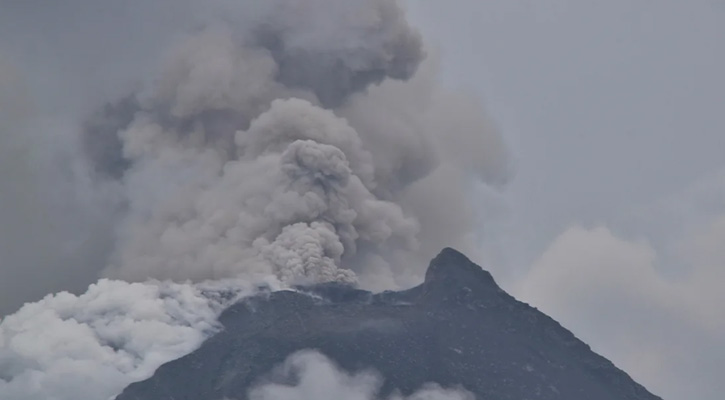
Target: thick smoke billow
(295, 197)
(309, 375)
(90, 347)
(281, 141)
(282, 145)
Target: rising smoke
(261, 148)
(287, 141)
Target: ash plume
(261, 148)
(284, 142)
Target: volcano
(457, 329)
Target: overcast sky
(615, 221)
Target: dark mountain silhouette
(457, 328)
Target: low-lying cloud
(312, 376)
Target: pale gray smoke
(312, 376)
(281, 142)
(195, 165)
(291, 204)
(286, 144)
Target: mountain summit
(457, 329)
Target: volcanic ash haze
(282, 142)
(280, 146)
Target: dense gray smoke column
(260, 148)
(279, 141)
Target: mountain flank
(458, 328)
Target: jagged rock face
(457, 328)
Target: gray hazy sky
(614, 221)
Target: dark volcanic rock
(457, 328)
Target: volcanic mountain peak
(457, 329)
(451, 267)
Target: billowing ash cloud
(295, 198)
(309, 375)
(279, 141)
(282, 145)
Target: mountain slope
(457, 328)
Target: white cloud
(666, 331)
(318, 378)
(90, 347)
